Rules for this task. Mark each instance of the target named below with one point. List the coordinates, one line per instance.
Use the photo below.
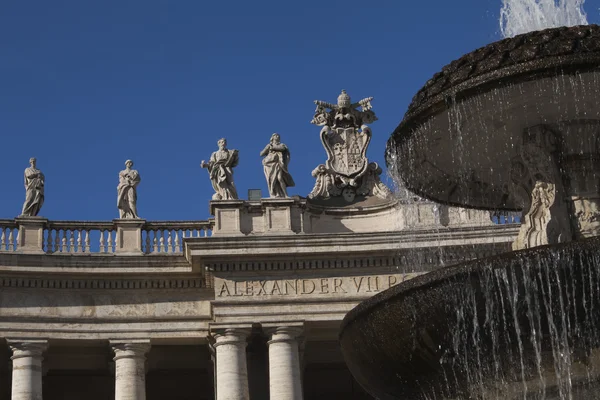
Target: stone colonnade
(130, 357)
(284, 363)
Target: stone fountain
(512, 126)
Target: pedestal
(30, 239)
(129, 236)
(278, 215)
(228, 216)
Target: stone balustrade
(8, 235)
(39, 235)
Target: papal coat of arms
(346, 136)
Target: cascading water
(513, 125)
(522, 16)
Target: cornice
(211, 250)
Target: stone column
(284, 363)
(232, 371)
(27, 368)
(130, 369)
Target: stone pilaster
(27, 368)
(130, 369)
(232, 372)
(284, 363)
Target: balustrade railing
(100, 237)
(167, 237)
(9, 234)
(80, 237)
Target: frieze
(416, 259)
(112, 284)
(314, 287)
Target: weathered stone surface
(232, 374)
(284, 362)
(27, 368)
(130, 369)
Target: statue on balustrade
(34, 190)
(220, 169)
(127, 191)
(277, 158)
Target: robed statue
(34, 190)
(275, 162)
(127, 191)
(220, 170)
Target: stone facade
(243, 306)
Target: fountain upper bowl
(464, 128)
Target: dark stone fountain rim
(522, 57)
(526, 57)
(433, 278)
(380, 337)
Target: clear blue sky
(85, 85)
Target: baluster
(148, 248)
(79, 247)
(110, 242)
(162, 241)
(155, 241)
(57, 241)
(169, 241)
(63, 241)
(3, 240)
(102, 246)
(71, 240)
(11, 241)
(49, 242)
(87, 248)
(177, 245)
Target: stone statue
(220, 169)
(345, 135)
(34, 190)
(277, 158)
(127, 192)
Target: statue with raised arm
(127, 191)
(220, 170)
(276, 159)
(34, 190)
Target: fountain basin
(463, 131)
(523, 323)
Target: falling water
(522, 16)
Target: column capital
(27, 347)
(284, 334)
(232, 335)
(130, 349)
